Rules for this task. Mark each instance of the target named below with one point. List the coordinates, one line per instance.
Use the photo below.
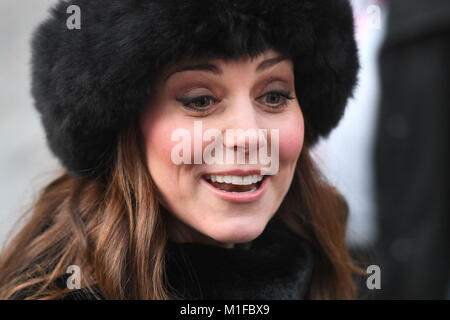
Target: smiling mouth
(235, 184)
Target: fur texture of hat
(87, 83)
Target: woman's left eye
(277, 99)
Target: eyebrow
(266, 64)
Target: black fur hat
(88, 82)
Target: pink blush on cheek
(158, 129)
(156, 132)
(291, 141)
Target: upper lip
(237, 172)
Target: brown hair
(115, 232)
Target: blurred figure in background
(411, 151)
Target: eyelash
(186, 102)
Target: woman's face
(224, 202)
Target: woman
(153, 203)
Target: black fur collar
(276, 265)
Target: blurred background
(389, 155)
(25, 161)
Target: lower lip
(239, 197)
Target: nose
(241, 129)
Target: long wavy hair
(116, 232)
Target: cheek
(291, 138)
(157, 130)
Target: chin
(238, 231)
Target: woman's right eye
(198, 104)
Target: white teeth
(236, 180)
(247, 180)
